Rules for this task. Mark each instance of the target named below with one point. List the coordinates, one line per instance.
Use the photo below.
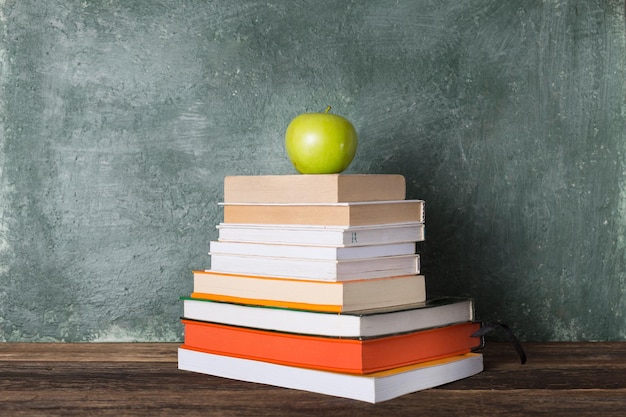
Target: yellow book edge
(436, 362)
(268, 303)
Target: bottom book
(372, 388)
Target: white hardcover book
(322, 235)
(336, 253)
(313, 269)
(373, 388)
(367, 323)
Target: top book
(318, 188)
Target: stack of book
(315, 285)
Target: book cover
(330, 214)
(307, 294)
(365, 323)
(323, 188)
(350, 355)
(322, 235)
(372, 388)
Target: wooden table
(143, 380)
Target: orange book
(349, 355)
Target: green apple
(320, 143)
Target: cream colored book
(326, 214)
(324, 188)
(309, 294)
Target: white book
(366, 323)
(335, 253)
(372, 388)
(322, 235)
(314, 269)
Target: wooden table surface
(142, 379)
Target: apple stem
(327, 109)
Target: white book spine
(321, 235)
(335, 253)
(382, 267)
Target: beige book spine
(325, 188)
(328, 215)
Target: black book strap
(487, 327)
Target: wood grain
(143, 380)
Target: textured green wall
(120, 118)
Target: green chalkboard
(119, 120)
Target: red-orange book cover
(350, 355)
